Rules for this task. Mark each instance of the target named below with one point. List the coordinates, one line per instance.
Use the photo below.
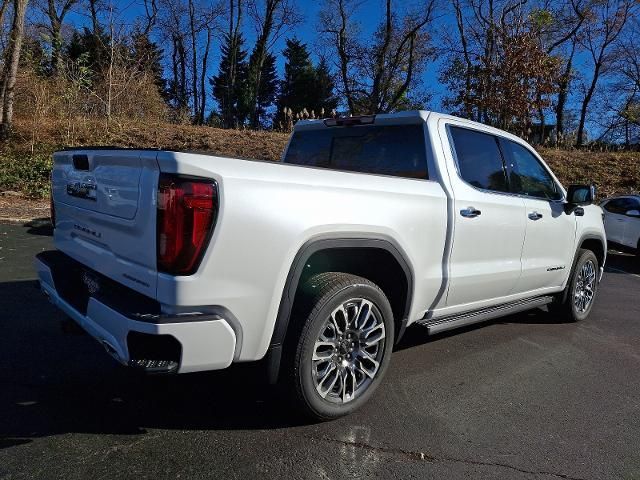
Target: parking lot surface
(520, 397)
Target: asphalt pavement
(521, 397)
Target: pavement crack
(426, 457)
(418, 456)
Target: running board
(468, 318)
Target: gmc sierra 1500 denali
(182, 262)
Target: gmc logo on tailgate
(82, 190)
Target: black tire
(567, 305)
(323, 294)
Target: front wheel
(344, 346)
(576, 301)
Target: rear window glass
(397, 150)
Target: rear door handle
(535, 216)
(470, 212)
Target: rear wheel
(576, 301)
(344, 345)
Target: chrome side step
(468, 318)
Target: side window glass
(621, 206)
(615, 206)
(527, 175)
(479, 159)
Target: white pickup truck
(183, 262)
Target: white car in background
(622, 221)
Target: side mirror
(578, 196)
(581, 194)
(633, 213)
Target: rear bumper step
(136, 337)
(460, 320)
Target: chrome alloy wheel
(585, 287)
(349, 350)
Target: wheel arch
(590, 241)
(595, 243)
(353, 250)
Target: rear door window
(479, 159)
(397, 150)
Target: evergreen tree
(324, 96)
(90, 45)
(267, 89)
(305, 86)
(148, 56)
(34, 56)
(229, 85)
(296, 88)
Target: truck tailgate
(105, 206)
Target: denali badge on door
(82, 190)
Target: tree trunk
(341, 41)
(56, 47)
(586, 101)
(10, 72)
(203, 75)
(194, 61)
(56, 37)
(563, 92)
(468, 108)
(259, 59)
(95, 23)
(542, 125)
(229, 117)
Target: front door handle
(470, 212)
(535, 216)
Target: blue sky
(368, 15)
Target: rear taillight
(187, 210)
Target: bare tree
(95, 7)
(10, 67)
(600, 36)
(272, 18)
(56, 11)
(341, 31)
(201, 22)
(563, 90)
(228, 83)
(151, 16)
(466, 56)
(189, 25)
(621, 120)
(561, 24)
(499, 70)
(124, 81)
(376, 73)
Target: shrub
(26, 174)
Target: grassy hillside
(25, 162)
